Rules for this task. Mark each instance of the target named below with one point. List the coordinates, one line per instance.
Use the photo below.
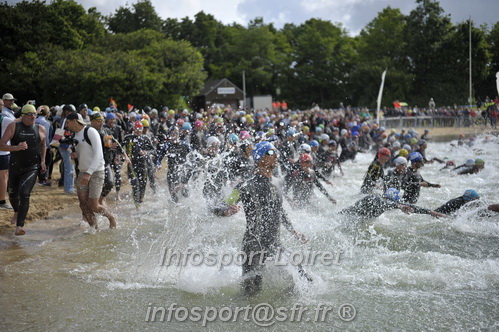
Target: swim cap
(343, 132)
(392, 194)
(324, 137)
(384, 152)
(28, 108)
(132, 115)
(261, 149)
(290, 132)
(470, 162)
(96, 116)
(314, 143)
(198, 123)
(421, 142)
(305, 148)
(355, 133)
(396, 144)
(413, 141)
(305, 158)
(407, 147)
(332, 142)
(244, 135)
(110, 116)
(400, 161)
(403, 153)
(186, 126)
(479, 162)
(171, 112)
(450, 163)
(145, 123)
(305, 129)
(470, 195)
(233, 138)
(212, 140)
(138, 125)
(180, 122)
(96, 109)
(415, 157)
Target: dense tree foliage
(59, 53)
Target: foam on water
(415, 270)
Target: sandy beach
(47, 201)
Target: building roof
(214, 84)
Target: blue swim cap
(392, 194)
(415, 157)
(110, 116)
(233, 138)
(470, 195)
(272, 138)
(290, 132)
(186, 126)
(314, 143)
(261, 149)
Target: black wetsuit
(393, 179)
(412, 185)
(137, 173)
(302, 186)
(23, 169)
(108, 162)
(176, 154)
(374, 173)
(264, 215)
(117, 132)
(374, 205)
(452, 205)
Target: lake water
(396, 272)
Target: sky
(353, 14)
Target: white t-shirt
(90, 157)
(5, 122)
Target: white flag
(380, 94)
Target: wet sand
(53, 203)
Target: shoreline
(48, 202)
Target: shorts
(4, 162)
(94, 186)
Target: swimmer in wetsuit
(456, 203)
(374, 205)
(27, 147)
(264, 215)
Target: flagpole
(380, 94)
(244, 90)
(471, 92)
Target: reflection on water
(400, 272)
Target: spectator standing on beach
(4, 162)
(27, 147)
(43, 112)
(431, 104)
(7, 106)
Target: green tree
(321, 62)
(381, 45)
(142, 15)
(426, 31)
(139, 68)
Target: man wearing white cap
(8, 101)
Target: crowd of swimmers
(241, 151)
